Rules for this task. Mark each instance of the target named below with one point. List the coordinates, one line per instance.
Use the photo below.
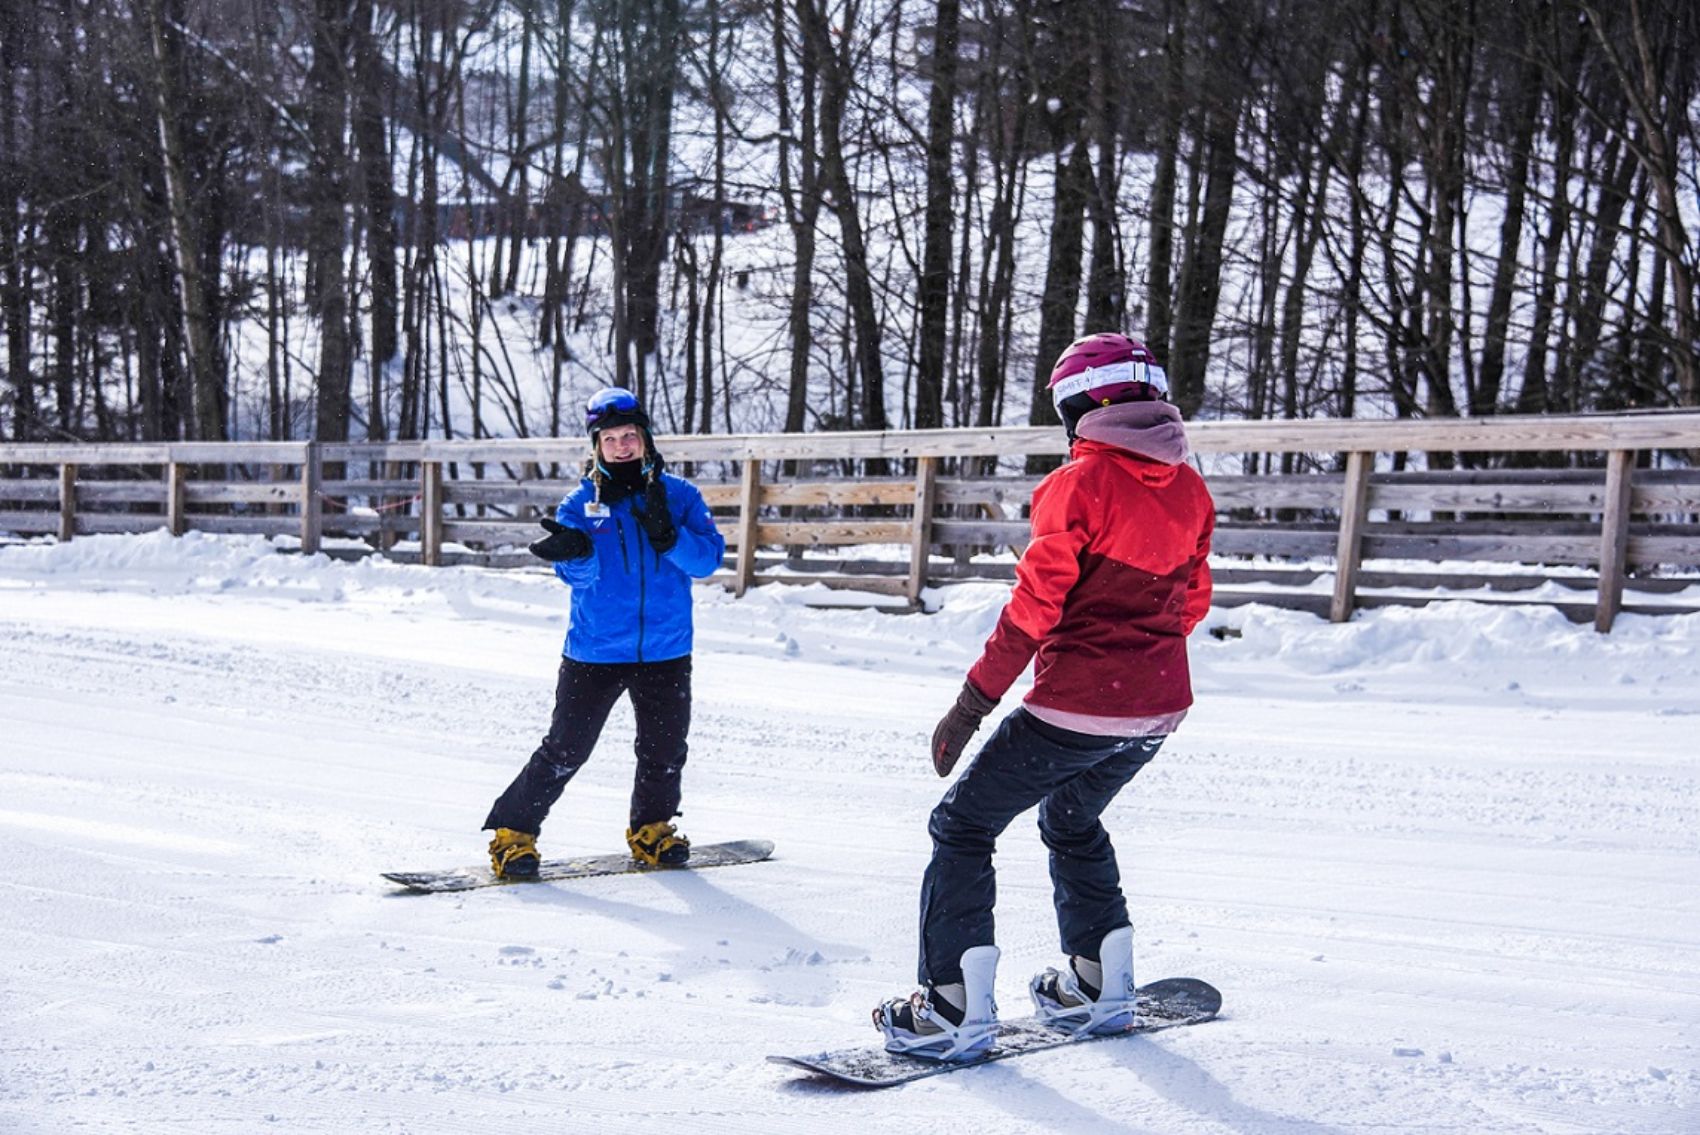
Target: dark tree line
(409, 218)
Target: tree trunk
(1318, 165)
(475, 296)
(934, 284)
(1070, 69)
(1201, 272)
(1106, 281)
(685, 268)
(519, 204)
(1353, 298)
(712, 288)
(1590, 289)
(1533, 397)
(204, 357)
(1272, 245)
(1160, 291)
(650, 40)
(327, 99)
(62, 256)
(1520, 144)
(1444, 153)
(997, 270)
(1060, 301)
(14, 271)
(802, 202)
(836, 82)
(372, 143)
(431, 82)
(1663, 118)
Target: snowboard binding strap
(913, 1027)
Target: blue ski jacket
(631, 603)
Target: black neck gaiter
(621, 479)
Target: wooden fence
(1626, 508)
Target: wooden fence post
(176, 498)
(1348, 552)
(431, 513)
(921, 546)
(67, 502)
(311, 478)
(1614, 537)
(749, 500)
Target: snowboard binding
(1067, 1001)
(928, 1026)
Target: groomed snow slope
(1440, 862)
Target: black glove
(959, 724)
(562, 543)
(657, 522)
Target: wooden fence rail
(1628, 499)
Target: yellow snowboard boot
(513, 855)
(658, 844)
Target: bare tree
(205, 361)
(1216, 165)
(1065, 59)
(374, 100)
(1660, 94)
(1159, 288)
(643, 45)
(934, 283)
(835, 55)
(14, 270)
(327, 117)
(799, 193)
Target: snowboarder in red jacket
(1114, 579)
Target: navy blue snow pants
(1072, 777)
(585, 692)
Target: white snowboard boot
(1092, 996)
(931, 1024)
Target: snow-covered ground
(1441, 863)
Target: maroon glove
(959, 724)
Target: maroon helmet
(1102, 370)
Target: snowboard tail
(582, 867)
(1165, 1004)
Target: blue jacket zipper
(643, 586)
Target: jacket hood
(1151, 430)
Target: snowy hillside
(1441, 864)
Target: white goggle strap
(1113, 375)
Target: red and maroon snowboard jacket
(1113, 581)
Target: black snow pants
(585, 692)
(1072, 777)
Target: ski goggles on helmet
(1111, 383)
(605, 404)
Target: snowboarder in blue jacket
(628, 542)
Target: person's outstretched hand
(959, 723)
(562, 543)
